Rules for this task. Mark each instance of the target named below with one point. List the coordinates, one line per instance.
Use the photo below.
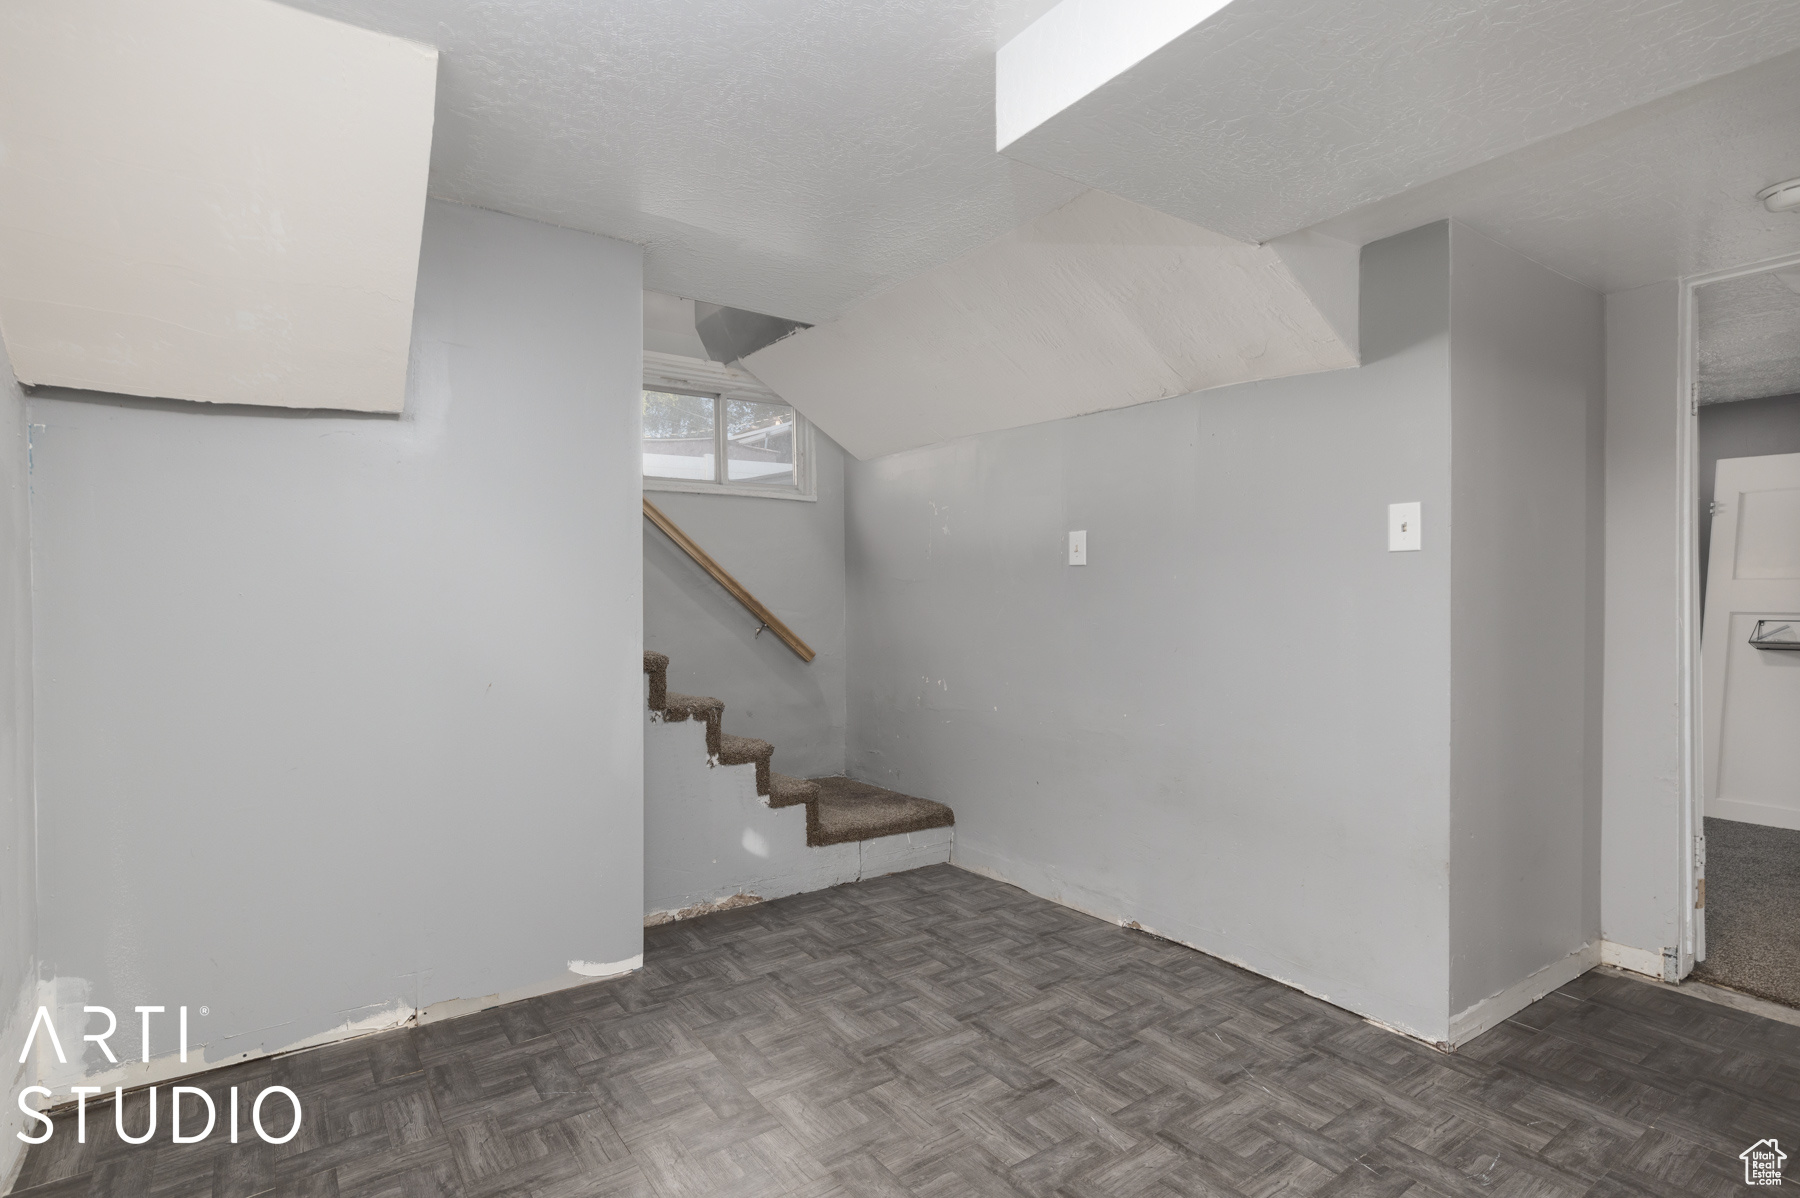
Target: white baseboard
(1648, 962)
(1496, 1008)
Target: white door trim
(1692, 822)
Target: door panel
(1751, 696)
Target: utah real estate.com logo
(1762, 1163)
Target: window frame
(692, 376)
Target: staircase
(839, 810)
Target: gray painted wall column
(1233, 726)
(1527, 386)
(344, 715)
(1641, 785)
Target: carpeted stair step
(677, 708)
(657, 666)
(786, 791)
(847, 810)
(745, 750)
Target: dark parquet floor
(938, 1035)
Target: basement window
(712, 428)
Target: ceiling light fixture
(1781, 197)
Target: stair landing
(847, 810)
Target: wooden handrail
(724, 579)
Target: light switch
(1078, 548)
(1403, 527)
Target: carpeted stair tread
(787, 791)
(847, 810)
(677, 707)
(657, 666)
(746, 750)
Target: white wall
(213, 200)
(18, 825)
(1527, 391)
(343, 716)
(1233, 726)
(1641, 788)
(790, 554)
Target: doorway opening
(1742, 456)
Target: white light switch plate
(1403, 527)
(1078, 548)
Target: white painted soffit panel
(1075, 48)
(214, 200)
(1099, 304)
(1263, 117)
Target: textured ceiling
(1750, 337)
(786, 156)
(1274, 115)
(1665, 190)
(795, 156)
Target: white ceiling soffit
(215, 200)
(669, 326)
(1264, 117)
(781, 156)
(1664, 190)
(1749, 337)
(1100, 304)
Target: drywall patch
(657, 918)
(607, 969)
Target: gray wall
(1527, 384)
(1641, 831)
(18, 833)
(340, 713)
(790, 554)
(1234, 725)
(1744, 428)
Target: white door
(1752, 695)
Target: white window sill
(747, 490)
